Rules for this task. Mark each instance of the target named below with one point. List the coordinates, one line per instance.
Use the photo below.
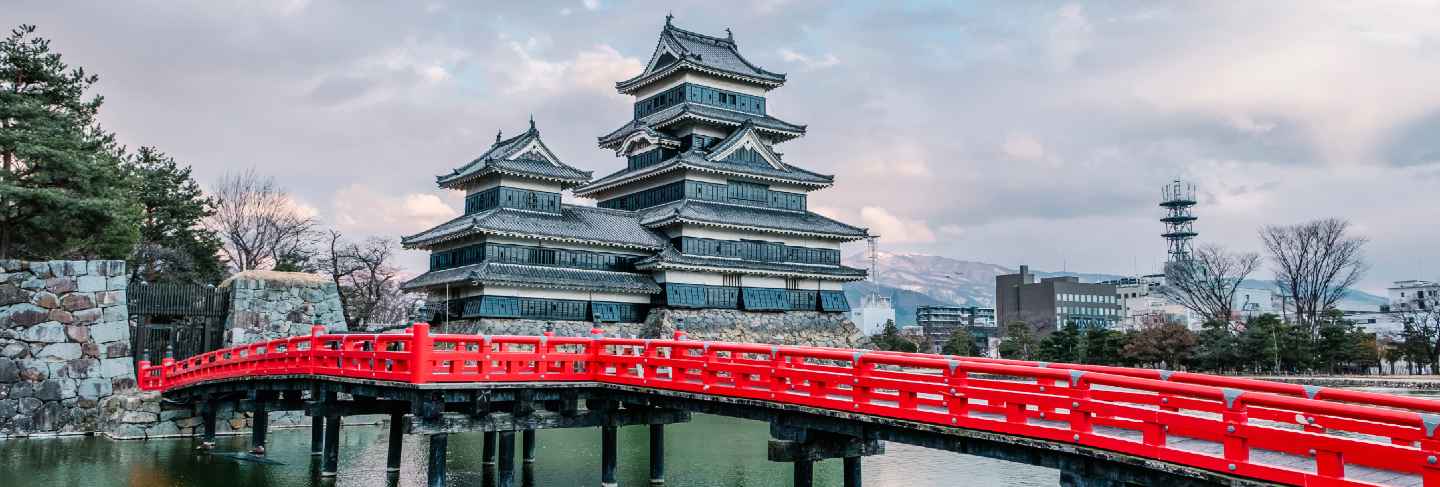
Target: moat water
(708, 451)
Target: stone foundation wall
(265, 305)
(64, 345)
(787, 328)
(139, 415)
(812, 328)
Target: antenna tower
(1177, 198)
(874, 264)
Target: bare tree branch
(1315, 264)
(1206, 284)
(258, 221)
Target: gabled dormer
(519, 173)
(746, 146)
(679, 50)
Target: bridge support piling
(852, 472)
(527, 443)
(657, 454)
(804, 473)
(317, 435)
(207, 421)
(506, 475)
(331, 463)
(487, 451)
(607, 456)
(397, 439)
(435, 474)
(260, 425)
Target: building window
(732, 280)
(792, 283)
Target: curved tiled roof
(697, 161)
(703, 53)
(726, 215)
(772, 126)
(578, 224)
(521, 275)
(502, 158)
(673, 259)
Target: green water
(708, 451)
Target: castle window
(732, 280)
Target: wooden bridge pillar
(608, 455)
(506, 475)
(527, 443)
(804, 473)
(207, 421)
(317, 435)
(260, 424)
(657, 454)
(397, 439)
(331, 462)
(435, 474)
(852, 472)
(487, 451)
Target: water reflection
(709, 451)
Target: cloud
(594, 70)
(1070, 35)
(893, 229)
(808, 63)
(1022, 147)
(591, 5)
(362, 209)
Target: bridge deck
(1192, 426)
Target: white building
(1414, 295)
(872, 314)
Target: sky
(1002, 132)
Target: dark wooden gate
(181, 319)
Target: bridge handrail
(1057, 402)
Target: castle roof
(535, 276)
(679, 49)
(524, 155)
(725, 215)
(777, 129)
(574, 224)
(694, 160)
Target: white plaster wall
(565, 294)
(701, 79)
(727, 234)
(513, 182)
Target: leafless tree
(259, 222)
(1206, 284)
(368, 280)
(1315, 263)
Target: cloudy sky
(1003, 132)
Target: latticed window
(730, 280)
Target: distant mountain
(918, 280)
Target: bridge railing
(1227, 423)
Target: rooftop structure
(706, 213)
(1177, 198)
(1414, 295)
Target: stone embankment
(810, 328)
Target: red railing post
(422, 349)
(165, 365)
(1237, 448)
(595, 350)
(957, 402)
(1079, 417)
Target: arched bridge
(1099, 425)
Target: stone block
(60, 285)
(176, 414)
(90, 349)
(28, 405)
(50, 390)
(76, 268)
(57, 268)
(77, 301)
(110, 298)
(76, 333)
(91, 284)
(81, 368)
(117, 283)
(33, 284)
(110, 331)
(93, 389)
(40, 269)
(120, 349)
(45, 299)
(47, 332)
(14, 351)
(123, 383)
(112, 368)
(60, 351)
(96, 268)
(164, 428)
(139, 417)
(9, 372)
(9, 265)
(64, 317)
(116, 268)
(86, 316)
(12, 294)
(115, 313)
(23, 315)
(32, 369)
(127, 432)
(190, 422)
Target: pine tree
(174, 245)
(1019, 342)
(960, 343)
(62, 192)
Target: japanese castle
(706, 215)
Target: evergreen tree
(1103, 346)
(62, 192)
(960, 343)
(1019, 342)
(1065, 345)
(890, 340)
(174, 245)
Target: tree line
(68, 190)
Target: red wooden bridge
(1126, 426)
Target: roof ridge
(727, 42)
